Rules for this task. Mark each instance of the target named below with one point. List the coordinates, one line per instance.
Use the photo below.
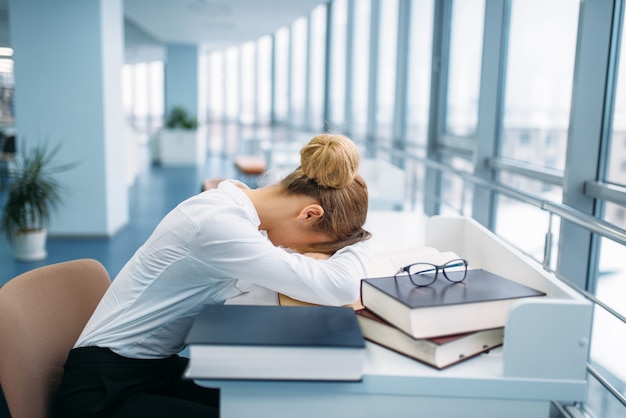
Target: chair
(42, 313)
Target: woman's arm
(236, 249)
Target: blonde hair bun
(331, 160)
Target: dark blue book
(275, 343)
(481, 301)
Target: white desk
(543, 357)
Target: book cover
(481, 301)
(438, 352)
(276, 342)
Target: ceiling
(212, 24)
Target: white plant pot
(182, 147)
(29, 246)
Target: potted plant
(32, 195)
(180, 142)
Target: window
(464, 67)
(386, 82)
(360, 68)
(281, 77)
(337, 56)
(248, 83)
(419, 74)
(538, 90)
(317, 68)
(264, 80)
(538, 86)
(231, 101)
(216, 85)
(298, 72)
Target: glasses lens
(455, 270)
(422, 274)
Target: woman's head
(328, 173)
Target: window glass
(465, 55)
(248, 84)
(264, 80)
(281, 77)
(216, 86)
(155, 71)
(419, 74)
(386, 83)
(539, 71)
(526, 226)
(538, 87)
(337, 56)
(317, 68)
(456, 194)
(298, 72)
(360, 68)
(141, 91)
(617, 155)
(231, 78)
(608, 331)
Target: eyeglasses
(425, 274)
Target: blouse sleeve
(231, 245)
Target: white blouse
(200, 253)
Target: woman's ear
(311, 213)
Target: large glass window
(538, 87)
(298, 72)
(248, 83)
(419, 73)
(616, 172)
(538, 91)
(337, 56)
(216, 86)
(360, 67)
(281, 75)
(464, 65)
(140, 96)
(264, 80)
(231, 78)
(157, 101)
(317, 68)
(386, 73)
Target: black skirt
(100, 383)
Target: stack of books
(441, 324)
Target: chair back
(42, 313)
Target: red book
(438, 352)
